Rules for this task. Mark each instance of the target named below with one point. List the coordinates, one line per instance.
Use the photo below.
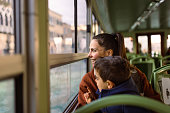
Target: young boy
(113, 77)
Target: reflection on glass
(81, 33)
(168, 41)
(93, 25)
(7, 97)
(156, 44)
(61, 26)
(6, 28)
(64, 84)
(128, 44)
(143, 44)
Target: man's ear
(109, 52)
(110, 84)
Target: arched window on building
(1, 19)
(10, 20)
(6, 20)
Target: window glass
(64, 84)
(6, 31)
(1, 19)
(143, 44)
(6, 20)
(156, 44)
(7, 96)
(81, 33)
(61, 26)
(99, 29)
(128, 44)
(11, 21)
(168, 41)
(93, 25)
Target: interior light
(152, 6)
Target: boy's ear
(109, 52)
(110, 84)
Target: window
(11, 73)
(65, 42)
(156, 44)
(7, 39)
(65, 75)
(168, 41)
(64, 84)
(128, 44)
(10, 21)
(6, 20)
(7, 96)
(1, 19)
(143, 44)
(93, 25)
(81, 30)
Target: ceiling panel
(123, 14)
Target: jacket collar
(127, 87)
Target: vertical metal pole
(89, 13)
(16, 26)
(75, 23)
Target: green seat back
(131, 55)
(145, 64)
(157, 76)
(132, 100)
(165, 60)
(158, 61)
(145, 67)
(140, 59)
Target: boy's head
(111, 71)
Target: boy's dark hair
(113, 68)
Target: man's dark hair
(113, 68)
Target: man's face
(100, 83)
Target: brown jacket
(140, 79)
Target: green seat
(132, 100)
(156, 79)
(158, 61)
(145, 64)
(140, 59)
(165, 60)
(131, 55)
